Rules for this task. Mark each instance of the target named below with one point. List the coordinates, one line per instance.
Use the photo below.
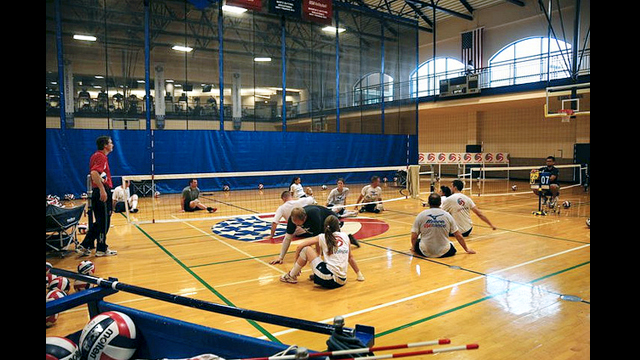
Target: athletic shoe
(106, 253)
(354, 241)
(362, 209)
(82, 250)
(288, 279)
(211, 209)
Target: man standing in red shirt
(101, 203)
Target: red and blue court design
(257, 228)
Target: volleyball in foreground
(54, 295)
(60, 348)
(589, 222)
(108, 336)
(86, 267)
(80, 285)
(60, 283)
(566, 204)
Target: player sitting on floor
(330, 270)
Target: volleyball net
(495, 180)
(245, 194)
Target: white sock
(295, 270)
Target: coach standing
(101, 203)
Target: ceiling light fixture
(332, 29)
(182, 48)
(233, 9)
(85, 37)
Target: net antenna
(568, 101)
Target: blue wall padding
(205, 151)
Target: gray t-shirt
(190, 194)
(433, 227)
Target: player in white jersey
(337, 199)
(121, 198)
(330, 270)
(284, 210)
(431, 229)
(371, 194)
(296, 188)
(460, 206)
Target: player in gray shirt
(431, 229)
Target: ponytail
(331, 225)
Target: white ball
(324, 187)
(110, 335)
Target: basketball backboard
(568, 101)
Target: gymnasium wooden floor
(515, 297)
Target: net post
(413, 181)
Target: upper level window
(429, 77)
(530, 60)
(369, 89)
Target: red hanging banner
(317, 11)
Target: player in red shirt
(101, 202)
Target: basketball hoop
(566, 114)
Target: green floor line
(488, 297)
(205, 284)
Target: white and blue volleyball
(61, 348)
(110, 335)
(86, 267)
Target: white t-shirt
(120, 194)
(337, 198)
(284, 210)
(459, 206)
(338, 262)
(371, 194)
(433, 227)
(297, 190)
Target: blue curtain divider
(204, 151)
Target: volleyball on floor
(86, 267)
(61, 348)
(49, 278)
(260, 186)
(80, 285)
(110, 335)
(54, 295)
(324, 187)
(589, 222)
(60, 283)
(566, 204)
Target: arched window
(445, 68)
(530, 60)
(368, 90)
